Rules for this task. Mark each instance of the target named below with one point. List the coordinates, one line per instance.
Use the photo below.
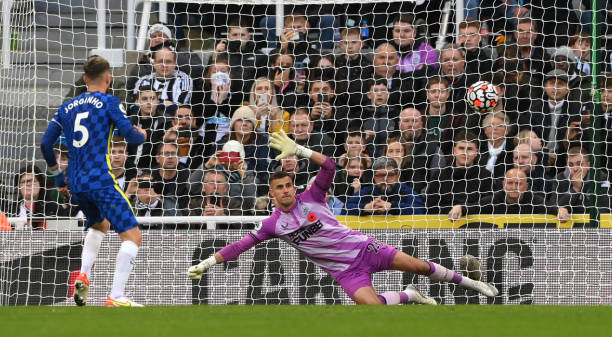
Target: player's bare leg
(130, 241)
(91, 246)
(436, 272)
(366, 295)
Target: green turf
(269, 321)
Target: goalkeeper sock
(439, 273)
(394, 297)
(91, 246)
(125, 263)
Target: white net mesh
(381, 87)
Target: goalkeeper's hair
(278, 175)
(95, 67)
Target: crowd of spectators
(390, 110)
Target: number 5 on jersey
(80, 128)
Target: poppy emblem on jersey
(312, 217)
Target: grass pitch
(311, 321)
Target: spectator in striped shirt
(172, 85)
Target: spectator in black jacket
(422, 159)
(214, 103)
(575, 187)
(550, 118)
(354, 176)
(294, 37)
(444, 117)
(477, 58)
(118, 159)
(213, 199)
(463, 182)
(242, 56)
(302, 132)
(194, 149)
(535, 57)
(32, 199)
(148, 202)
(453, 69)
(515, 198)
(526, 160)
(171, 177)
(149, 115)
(352, 68)
(579, 83)
(402, 88)
(378, 119)
(328, 118)
(606, 107)
(281, 72)
(496, 148)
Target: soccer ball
(482, 96)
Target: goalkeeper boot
(81, 288)
(416, 296)
(121, 302)
(486, 289)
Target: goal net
(457, 127)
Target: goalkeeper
(306, 223)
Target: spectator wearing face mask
(244, 59)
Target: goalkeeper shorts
(106, 203)
(375, 256)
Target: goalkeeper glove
(195, 272)
(287, 147)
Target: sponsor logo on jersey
(303, 233)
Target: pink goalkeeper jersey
(312, 229)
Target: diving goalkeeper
(306, 223)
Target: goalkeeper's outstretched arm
(228, 253)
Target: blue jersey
(88, 122)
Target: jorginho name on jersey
(88, 122)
